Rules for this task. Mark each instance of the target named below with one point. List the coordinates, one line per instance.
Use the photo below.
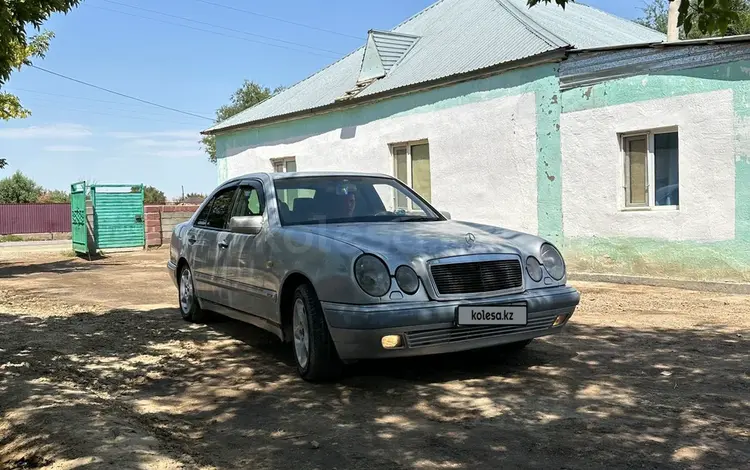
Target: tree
(709, 16)
(16, 49)
(246, 96)
(2, 163)
(151, 196)
(656, 13)
(54, 196)
(19, 189)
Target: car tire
(314, 351)
(189, 308)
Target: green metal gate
(118, 215)
(78, 217)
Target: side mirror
(446, 214)
(249, 225)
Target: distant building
(631, 153)
(192, 200)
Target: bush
(19, 189)
(54, 196)
(151, 196)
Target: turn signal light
(560, 320)
(391, 341)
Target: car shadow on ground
(11, 269)
(128, 386)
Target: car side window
(218, 213)
(200, 221)
(249, 202)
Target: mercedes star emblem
(470, 239)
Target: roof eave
(686, 42)
(555, 55)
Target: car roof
(308, 174)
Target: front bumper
(429, 327)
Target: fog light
(391, 341)
(560, 320)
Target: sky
(141, 49)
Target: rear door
(204, 237)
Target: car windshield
(339, 199)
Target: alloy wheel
(301, 334)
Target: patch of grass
(69, 253)
(10, 238)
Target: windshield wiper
(414, 218)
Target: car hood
(411, 241)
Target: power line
(327, 54)
(105, 108)
(138, 118)
(282, 20)
(119, 94)
(26, 90)
(169, 15)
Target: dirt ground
(97, 370)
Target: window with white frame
(411, 165)
(284, 165)
(651, 169)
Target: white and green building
(631, 153)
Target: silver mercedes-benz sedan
(357, 266)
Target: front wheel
(189, 308)
(314, 351)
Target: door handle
(223, 245)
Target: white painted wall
(482, 157)
(593, 169)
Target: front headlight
(407, 279)
(553, 261)
(372, 275)
(534, 268)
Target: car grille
(422, 338)
(477, 277)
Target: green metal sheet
(118, 216)
(78, 217)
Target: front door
(248, 257)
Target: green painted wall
(729, 260)
(541, 80)
(549, 162)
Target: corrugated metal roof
(456, 36)
(589, 68)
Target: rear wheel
(314, 351)
(189, 308)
